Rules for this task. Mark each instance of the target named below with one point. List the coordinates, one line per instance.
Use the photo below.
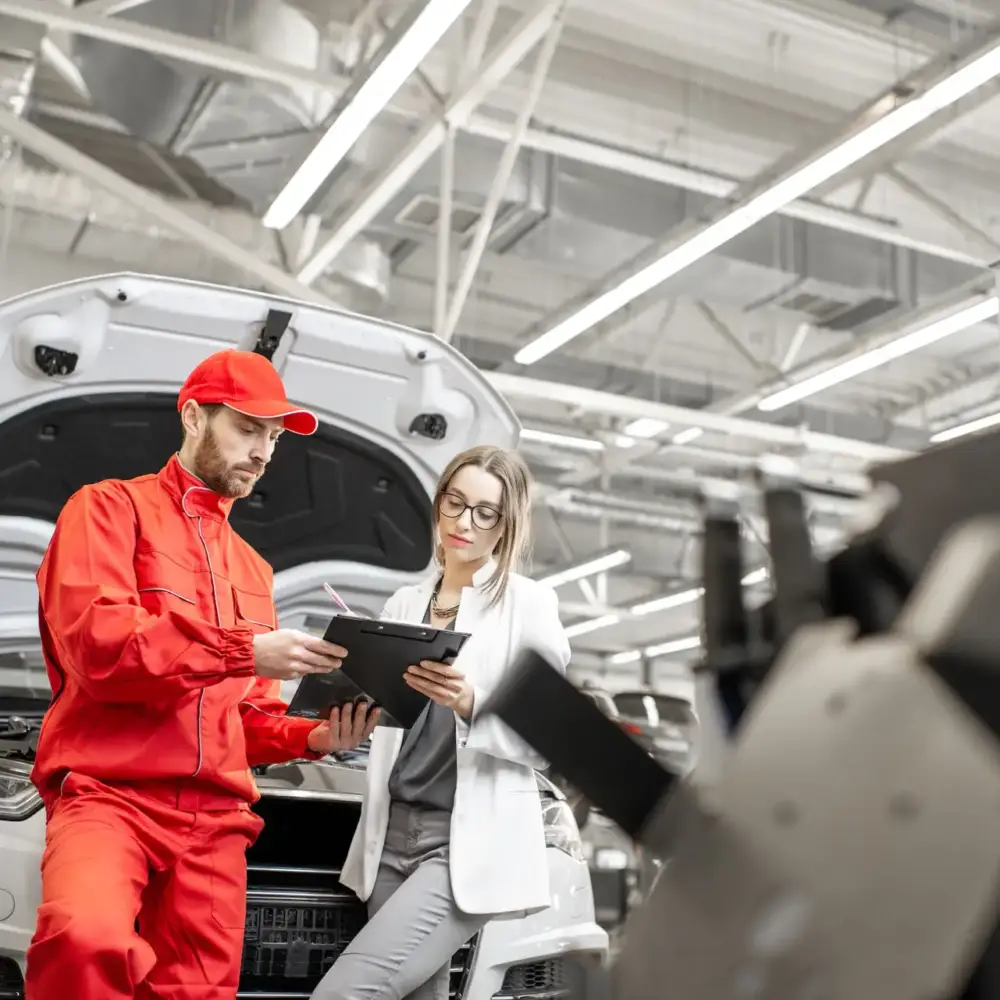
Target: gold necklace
(439, 612)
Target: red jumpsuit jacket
(149, 602)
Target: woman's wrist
(466, 703)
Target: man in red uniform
(162, 647)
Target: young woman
(451, 826)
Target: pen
(336, 598)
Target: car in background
(577, 800)
(617, 866)
(89, 375)
(621, 872)
(666, 724)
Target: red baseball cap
(248, 383)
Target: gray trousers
(414, 927)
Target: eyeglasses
(483, 517)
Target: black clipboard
(379, 653)
(587, 748)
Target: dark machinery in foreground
(851, 848)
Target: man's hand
(444, 685)
(347, 728)
(288, 654)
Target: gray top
(426, 769)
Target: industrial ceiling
(682, 237)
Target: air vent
(422, 213)
(838, 314)
(857, 315)
(820, 307)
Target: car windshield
(654, 709)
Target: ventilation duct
(932, 19)
(561, 212)
(250, 137)
(247, 136)
(60, 213)
(19, 45)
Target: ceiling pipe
(581, 399)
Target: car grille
(546, 979)
(299, 917)
(294, 937)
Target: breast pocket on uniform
(163, 584)
(254, 611)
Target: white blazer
(497, 852)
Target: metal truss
(501, 179)
(66, 157)
(642, 277)
(88, 21)
(522, 38)
(631, 408)
(198, 52)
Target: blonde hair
(514, 547)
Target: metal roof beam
(104, 8)
(516, 387)
(523, 37)
(66, 157)
(936, 93)
(198, 52)
(228, 60)
(501, 179)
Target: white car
(89, 373)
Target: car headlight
(611, 859)
(561, 830)
(19, 798)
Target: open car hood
(89, 375)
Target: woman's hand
(344, 730)
(444, 685)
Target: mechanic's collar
(196, 499)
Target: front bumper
(519, 957)
(21, 845)
(515, 958)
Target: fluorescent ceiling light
(877, 356)
(674, 646)
(570, 441)
(645, 427)
(624, 441)
(372, 97)
(591, 625)
(590, 567)
(690, 596)
(786, 189)
(667, 602)
(651, 652)
(687, 435)
(629, 656)
(657, 604)
(969, 427)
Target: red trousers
(141, 898)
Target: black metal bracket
(271, 333)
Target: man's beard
(211, 468)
